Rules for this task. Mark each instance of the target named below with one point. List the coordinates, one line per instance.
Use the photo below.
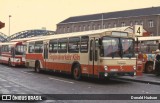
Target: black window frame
(60, 42)
(52, 46)
(39, 45)
(74, 41)
(29, 45)
(84, 39)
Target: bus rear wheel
(76, 72)
(149, 68)
(37, 67)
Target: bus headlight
(134, 67)
(105, 74)
(17, 60)
(105, 68)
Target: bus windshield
(116, 47)
(127, 47)
(20, 49)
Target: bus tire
(76, 72)
(37, 67)
(149, 68)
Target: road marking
(6, 67)
(26, 72)
(61, 80)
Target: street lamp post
(9, 27)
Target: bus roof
(10, 43)
(75, 34)
(148, 38)
(30, 38)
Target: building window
(104, 26)
(89, 27)
(74, 29)
(123, 24)
(109, 25)
(131, 23)
(94, 27)
(84, 28)
(99, 26)
(68, 29)
(80, 28)
(151, 24)
(59, 30)
(141, 23)
(64, 30)
(136, 22)
(115, 25)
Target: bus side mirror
(100, 41)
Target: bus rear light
(134, 67)
(105, 68)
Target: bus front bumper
(115, 74)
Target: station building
(149, 18)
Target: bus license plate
(113, 70)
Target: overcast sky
(35, 14)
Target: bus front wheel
(76, 72)
(37, 67)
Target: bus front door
(45, 55)
(93, 57)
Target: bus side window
(84, 44)
(53, 46)
(31, 48)
(73, 45)
(62, 45)
(38, 47)
(5, 48)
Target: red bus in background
(145, 48)
(12, 53)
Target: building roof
(111, 15)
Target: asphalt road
(25, 81)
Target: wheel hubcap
(76, 73)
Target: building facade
(148, 17)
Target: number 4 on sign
(138, 30)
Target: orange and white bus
(98, 53)
(145, 48)
(12, 53)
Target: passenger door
(45, 54)
(93, 56)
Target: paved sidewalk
(145, 78)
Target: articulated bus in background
(145, 48)
(99, 53)
(23, 42)
(12, 53)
